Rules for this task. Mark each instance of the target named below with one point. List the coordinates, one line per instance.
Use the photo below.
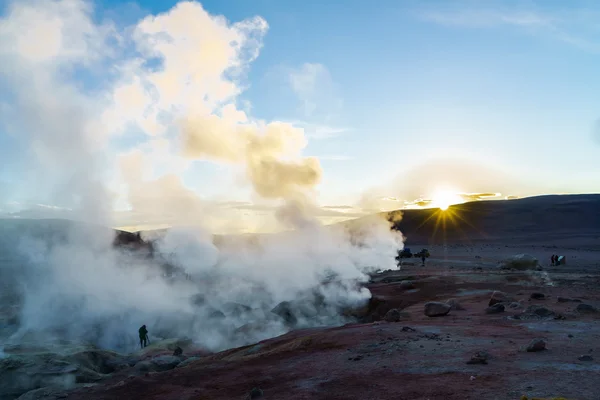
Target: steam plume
(173, 85)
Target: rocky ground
(499, 334)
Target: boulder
(586, 308)
(585, 357)
(481, 357)
(520, 262)
(395, 315)
(436, 309)
(537, 296)
(567, 300)
(500, 297)
(540, 311)
(407, 285)
(536, 345)
(495, 309)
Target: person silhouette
(143, 336)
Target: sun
(443, 199)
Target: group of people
(554, 259)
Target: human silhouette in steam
(143, 336)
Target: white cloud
(179, 88)
(52, 32)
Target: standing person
(143, 336)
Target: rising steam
(172, 89)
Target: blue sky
(394, 96)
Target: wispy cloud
(318, 131)
(335, 157)
(575, 27)
(315, 88)
(488, 18)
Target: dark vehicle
(423, 253)
(405, 253)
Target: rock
(568, 300)
(540, 311)
(178, 351)
(255, 393)
(368, 312)
(495, 309)
(480, 357)
(436, 309)
(395, 315)
(537, 296)
(455, 305)
(536, 345)
(585, 357)
(500, 297)
(586, 308)
(515, 305)
(407, 285)
(520, 262)
(408, 329)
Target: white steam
(78, 91)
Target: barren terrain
(416, 358)
(470, 353)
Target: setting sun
(443, 199)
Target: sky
(248, 104)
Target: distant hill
(551, 216)
(541, 217)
